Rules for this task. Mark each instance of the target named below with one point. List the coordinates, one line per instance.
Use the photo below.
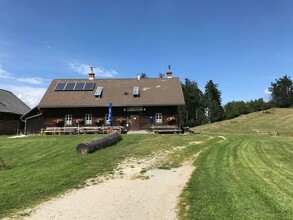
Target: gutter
(25, 121)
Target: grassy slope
(245, 176)
(275, 120)
(45, 166)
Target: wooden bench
(90, 130)
(164, 129)
(82, 130)
(67, 130)
(49, 130)
(59, 130)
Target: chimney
(169, 73)
(138, 76)
(91, 75)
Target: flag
(110, 114)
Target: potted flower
(171, 120)
(99, 120)
(79, 120)
(121, 120)
(59, 120)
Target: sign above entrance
(135, 109)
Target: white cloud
(5, 74)
(268, 92)
(29, 95)
(32, 80)
(84, 69)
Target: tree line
(205, 107)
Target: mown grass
(244, 177)
(41, 167)
(270, 121)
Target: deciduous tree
(235, 108)
(282, 92)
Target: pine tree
(193, 111)
(212, 101)
(143, 75)
(161, 75)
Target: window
(107, 119)
(68, 120)
(88, 119)
(159, 118)
(135, 92)
(99, 91)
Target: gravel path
(127, 194)
(153, 198)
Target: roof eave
(101, 106)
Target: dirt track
(128, 194)
(153, 198)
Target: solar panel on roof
(89, 86)
(60, 86)
(79, 87)
(69, 86)
(99, 91)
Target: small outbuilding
(11, 108)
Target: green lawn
(244, 177)
(40, 167)
(273, 120)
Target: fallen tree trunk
(96, 144)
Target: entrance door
(134, 122)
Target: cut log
(96, 144)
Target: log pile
(96, 144)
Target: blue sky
(242, 45)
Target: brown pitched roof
(153, 91)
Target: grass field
(40, 167)
(247, 176)
(239, 174)
(243, 177)
(270, 121)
